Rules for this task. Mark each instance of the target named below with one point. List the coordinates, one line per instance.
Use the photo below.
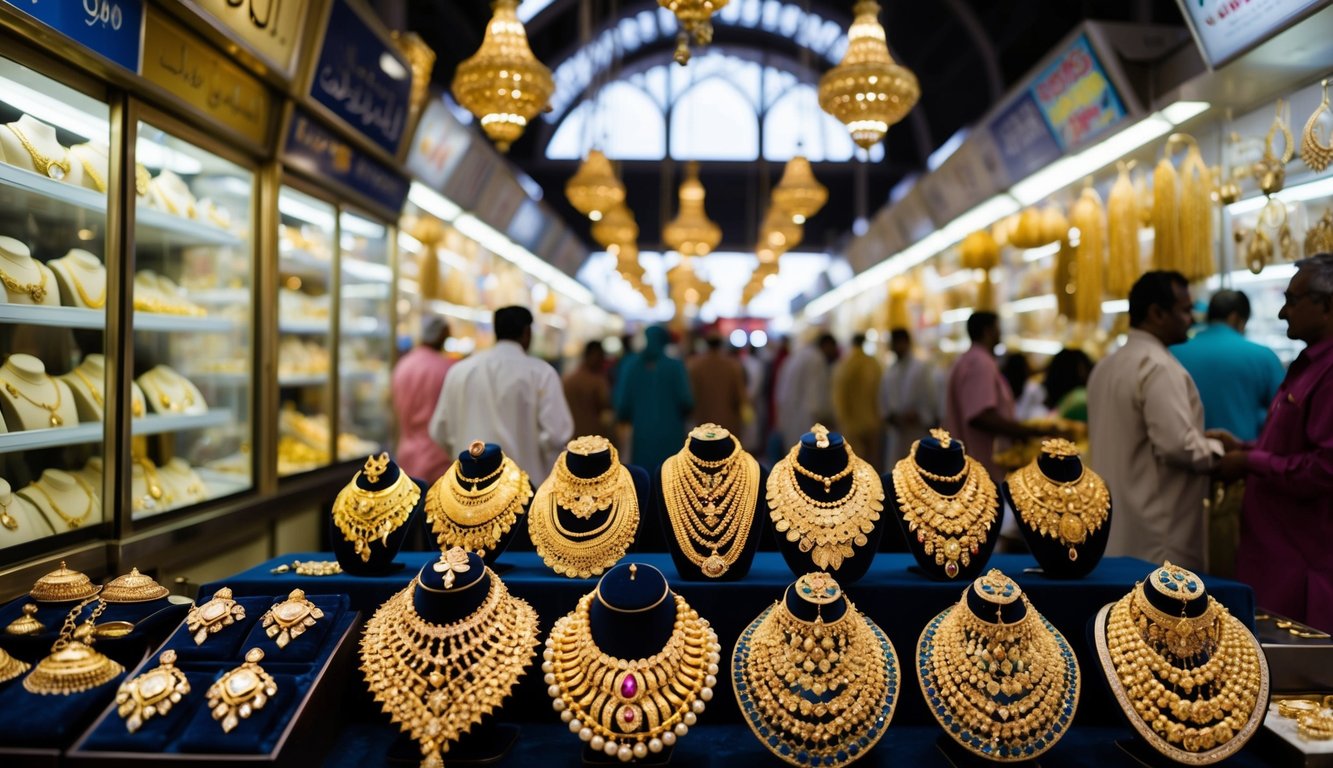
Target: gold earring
(1316, 155)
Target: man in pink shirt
(417, 380)
(979, 406)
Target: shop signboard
(438, 146)
(318, 152)
(971, 175)
(525, 228)
(362, 79)
(1225, 29)
(469, 178)
(272, 28)
(1024, 139)
(200, 76)
(110, 28)
(1076, 97)
(500, 198)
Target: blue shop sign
(111, 28)
(362, 79)
(319, 152)
(1023, 137)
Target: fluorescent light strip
(408, 243)
(1039, 346)
(363, 227)
(1246, 277)
(433, 202)
(1310, 190)
(955, 315)
(1031, 304)
(955, 279)
(1115, 306)
(302, 211)
(1037, 254)
(50, 110)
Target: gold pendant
(11, 667)
(56, 420)
(209, 618)
(9, 521)
(713, 566)
(71, 668)
(153, 693)
(288, 620)
(27, 624)
(241, 692)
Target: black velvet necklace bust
(713, 450)
(631, 617)
(938, 460)
(488, 741)
(595, 464)
(382, 551)
(828, 461)
(1051, 555)
(480, 466)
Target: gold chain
(584, 496)
(630, 707)
(818, 478)
(952, 527)
(36, 291)
(472, 519)
(72, 522)
(364, 516)
(828, 530)
(911, 454)
(712, 509)
(48, 167)
(78, 151)
(55, 419)
(88, 301)
(1068, 512)
(160, 380)
(584, 554)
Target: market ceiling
(965, 53)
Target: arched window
(714, 120)
(625, 122)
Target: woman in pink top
(417, 380)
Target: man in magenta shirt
(980, 404)
(1287, 514)
(417, 380)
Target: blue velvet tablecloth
(895, 594)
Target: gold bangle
(1316, 726)
(1295, 708)
(644, 609)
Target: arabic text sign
(362, 79)
(272, 27)
(108, 27)
(316, 150)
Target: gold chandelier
(799, 192)
(692, 233)
(503, 84)
(779, 233)
(696, 20)
(595, 189)
(867, 91)
(616, 227)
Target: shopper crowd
(1216, 458)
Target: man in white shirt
(803, 392)
(907, 398)
(505, 397)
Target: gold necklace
(828, 530)
(158, 379)
(584, 496)
(952, 527)
(73, 665)
(1195, 688)
(1006, 692)
(36, 291)
(49, 167)
(364, 516)
(1068, 512)
(55, 419)
(7, 520)
(631, 707)
(826, 691)
(72, 522)
(439, 680)
(154, 490)
(90, 302)
(584, 554)
(714, 510)
(959, 475)
(98, 182)
(830, 479)
(472, 519)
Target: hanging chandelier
(503, 84)
(696, 20)
(692, 233)
(616, 227)
(594, 189)
(867, 91)
(779, 233)
(799, 192)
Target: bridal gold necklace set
(584, 553)
(828, 528)
(711, 504)
(952, 527)
(365, 516)
(475, 519)
(1068, 512)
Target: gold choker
(951, 527)
(629, 708)
(584, 554)
(438, 681)
(366, 516)
(711, 506)
(831, 529)
(474, 519)
(46, 166)
(1068, 512)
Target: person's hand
(1233, 466)
(1229, 441)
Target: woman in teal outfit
(653, 397)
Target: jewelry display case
(53, 316)
(193, 325)
(365, 335)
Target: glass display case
(366, 336)
(53, 241)
(305, 330)
(193, 325)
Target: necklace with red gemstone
(951, 527)
(630, 708)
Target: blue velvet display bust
(381, 550)
(1050, 553)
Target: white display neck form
(40, 134)
(25, 369)
(59, 481)
(83, 259)
(16, 256)
(85, 277)
(175, 194)
(94, 365)
(6, 493)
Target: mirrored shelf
(91, 432)
(76, 317)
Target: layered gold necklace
(815, 693)
(364, 516)
(1006, 692)
(631, 707)
(438, 680)
(952, 527)
(584, 554)
(1194, 687)
(585, 496)
(828, 529)
(477, 519)
(711, 504)
(1068, 512)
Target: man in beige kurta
(856, 401)
(1145, 421)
